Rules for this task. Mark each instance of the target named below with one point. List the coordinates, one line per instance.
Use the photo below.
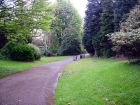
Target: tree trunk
(96, 53)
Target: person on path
(75, 58)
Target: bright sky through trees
(80, 5)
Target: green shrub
(5, 52)
(127, 43)
(22, 52)
(37, 52)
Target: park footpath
(35, 86)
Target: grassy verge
(8, 67)
(99, 82)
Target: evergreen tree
(1, 2)
(91, 26)
(122, 7)
(106, 27)
(104, 17)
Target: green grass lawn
(8, 67)
(99, 82)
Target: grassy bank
(8, 67)
(99, 82)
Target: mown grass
(8, 67)
(99, 82)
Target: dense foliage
(20, 52)
(6, 50)
(121, 8)
(20, 19)
(37, 52)
(106, 26)
(66, 19)
(133, 20)
(127, 41)
(71, 43)
(91, 27)
(104, 17)
(39, 21)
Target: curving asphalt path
(35, 86)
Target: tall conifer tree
(91, 26)
(122, 7)
(106, 27)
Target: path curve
(35, 86)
